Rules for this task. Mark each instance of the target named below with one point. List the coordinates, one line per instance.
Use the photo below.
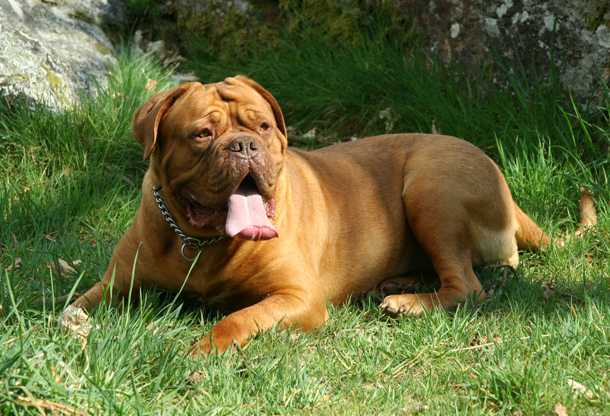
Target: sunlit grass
(69, 187)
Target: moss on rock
(230, 31)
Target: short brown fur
(350, 216)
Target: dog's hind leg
(460, 216)
(445, 237)
(401, 284)
(458, 284)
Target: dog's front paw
(208, 345)
(199, 349)
(403, 304)
(202, 348)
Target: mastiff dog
(270, 234)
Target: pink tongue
(247, 216)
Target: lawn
(70, 186)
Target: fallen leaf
(16, 264)
(52, 407)
(151, 85)
(65, 269)
(549, 290)
(412, 409)
(483, 339)
(560, 409)
(155, 328)
(325, 398)
(579, 389)
(50, 238)
(388, 116)
(311, 134)
(196, 376)
(433, 128)
(3, 249)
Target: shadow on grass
(542, 289)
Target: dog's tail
(531, 237)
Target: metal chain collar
(190, 242)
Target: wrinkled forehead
(239, 100)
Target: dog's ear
(146, 119)
(277, 112)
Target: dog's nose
(245, 145)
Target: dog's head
(218, 150)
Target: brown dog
(280, 231)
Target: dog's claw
(397, 306)
(388, 310)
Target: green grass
(69, 187)
(378, 87)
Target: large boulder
(535, 37)
(53, 53)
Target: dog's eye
(205, 133)
(264, 126)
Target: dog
(269, 234)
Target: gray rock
(529, 35)
(54, 52)
(97, 12)
(219, 7)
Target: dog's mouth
(246, 215)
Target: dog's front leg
(111, 288)
(302, 310)
(118, 282)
